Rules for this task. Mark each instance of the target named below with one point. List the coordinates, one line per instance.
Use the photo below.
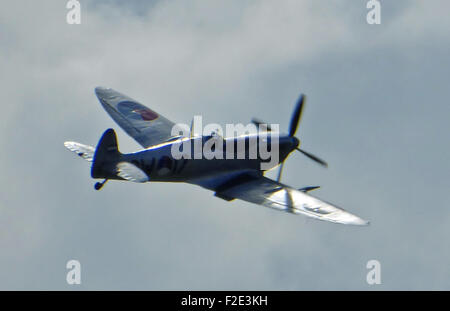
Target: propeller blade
(261, 123)
(313, 157)
(280, 170)
(296, 116)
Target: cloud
(376, 111)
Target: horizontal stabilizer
(84, 151)
(131, 172)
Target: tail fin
(106, 156)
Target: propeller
(296, 116)
(280, 170)
(313, 157)
(293, 128)
(259, 122)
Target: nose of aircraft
(289, 143)
(295, 142)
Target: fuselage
(205, 159)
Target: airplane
(229, 179)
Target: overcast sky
(378, 111)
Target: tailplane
(84, 151)
(107, 160)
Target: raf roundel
(137, 111)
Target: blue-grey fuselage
(159, 164)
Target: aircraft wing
(147, 127)
(267, 192)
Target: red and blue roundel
(136, 111)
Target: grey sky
(377, 111)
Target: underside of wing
(267, 192)
(147, 127)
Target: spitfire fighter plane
(229, 179)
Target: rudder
(106, 156)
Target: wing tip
(101, 90)
(361, 222)
(347, 218)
